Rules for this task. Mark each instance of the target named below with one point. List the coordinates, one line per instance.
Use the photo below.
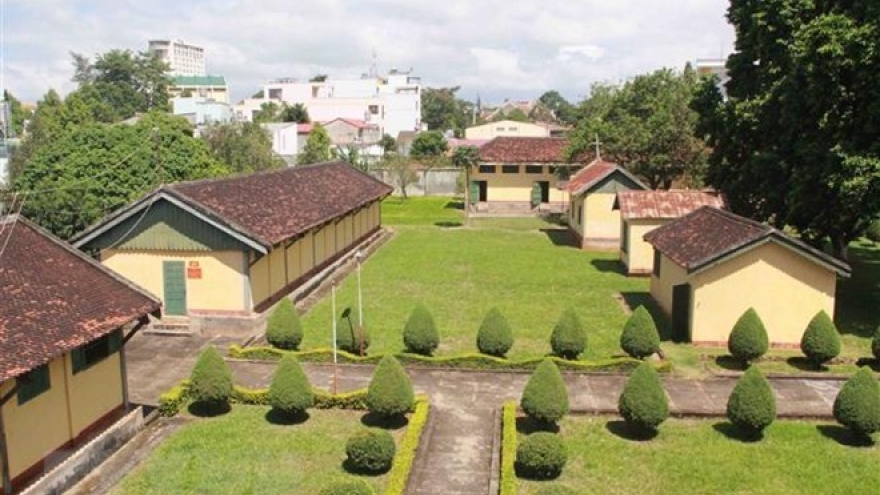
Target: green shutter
(536, 194)
(474, 192)
(78, 358)
(174, 281)
(114, 341)
(33, 383)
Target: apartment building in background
(184, 59)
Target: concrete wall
(638, 255)
(221, 288)
(432, 182)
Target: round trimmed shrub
(390, 392)
(545, 398)
(821, 341)
(556, 490)
(857, 406)
(748, 339)
(211, 380)
(643, 402)
(283, 328)
(370, 451)
(352, 486)
(875, 344)
(495, 337)
(349, 335)
(640, 338)
(751, 406)
(569, 339)
(290, 391)
(420, 333)
(541, 455)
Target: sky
(496, 49)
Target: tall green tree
(295, 113)
(268, 112)
(17, 114)
(242, 147)
(647, 125)
(44, 125)
(87, 171)
(428, 144)
(562, 109)
(317, 148)
(795, 142)
(442, 110)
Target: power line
(12, 227)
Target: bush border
(409, 445)
(474, 360)
(508, 448)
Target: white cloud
(499, 48)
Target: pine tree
(569, 339)
(420, 333)
(643, 402)
(290, 391)
(748, 340)
(640, 338)
(283, 328)
(390, 392)
(211, 380)
(751, 406)
(545, 397)
(857, 405)
(821, 341)
(494, 336)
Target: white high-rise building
(184, 59)
(391, 103)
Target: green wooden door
(174, 276)
(536, 194)
(474, 193)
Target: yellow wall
(576, 205)
(506, 128)
(50, 420)
(661, 287)
(601, 221)
(785, 288)
(222, 286)
(639, 255)
(518, 187)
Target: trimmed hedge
(290, 391)
(172, 401)
(462, 361)
(751, 406)
(420, 332)
(406, 453)
(390, 392)
(640, 337)
(211, 380)
(748, 340)
(821, 341)
(643, 402)
(349, 334)
(370, 451)
(350, 486)
(508, 449)
(569, 339)
(494, 337)
(545, 397)
(857, 406)
(283, 328)
(541, 455)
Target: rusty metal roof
(664, 204)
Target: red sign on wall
(193, 270)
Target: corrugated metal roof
(665, 204)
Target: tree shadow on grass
(560, 237)
(448, 224)
(281, 418)
(209, 409)
(803, 364)
(373, 420)
(730, 363)
(608, 266)
(630, 432)
(732, 432)
(454, 205)
(350, 468)
(872, 363)
(527, 426)
(845, 437)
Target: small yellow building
(521, 175)
(710, 266)
(507, 128)
(591, 214)
(63, 321)
(644, 211)
(235, 246)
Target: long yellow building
(63, 321)
(711, 266)
(235, 246)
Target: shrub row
(508, 449)
(463, 361)
(406, 453)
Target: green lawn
(243, 453)
(695, 458)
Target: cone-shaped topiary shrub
(420, 333)
(370, 451)
(351, 486)
(569, 339)
(283, 329)
(211, 380)
(541, 455)
(640, 338)
(390, 392)
(643, 402)
(875, 344)
(290, 391)
(857, 405)
(494, 337)
(349, 334)
(751, 406)
(545, 398)
(748, 340)
(821, 341)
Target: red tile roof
(664, 204)
(708, 234)
(594, 173)
(524, 150)
(53, 298)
